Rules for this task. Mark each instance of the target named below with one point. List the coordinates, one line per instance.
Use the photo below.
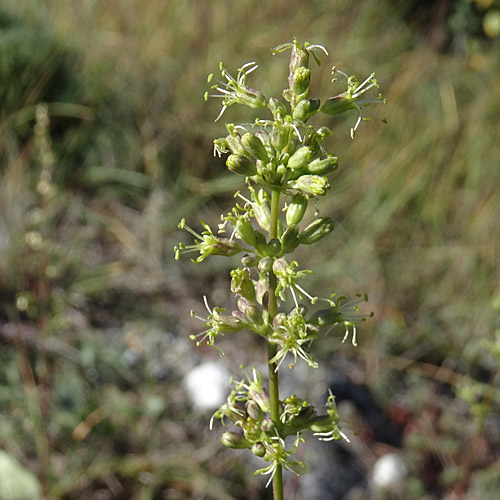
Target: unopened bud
(234, 143)
(323, 167)
(273, 247)
(300, 158)
(258, 449)
(260, 242)
(299, 81)
(261, 398)
(296, 209)
(252, 431)
(267, 425)
(289, 239)
(316, 230)
(315, 185)
(306, 108)
(253, 409)
(235, 441)
(262, 211)
(241, 165)
(280, 266)
(251, 312)
(254, 146)
(240, 316)
(261, 289)
(280, 136)
(299, 57)
(246, 232)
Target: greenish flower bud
(316, 230)
(280, 136)
(244, 304)
(251, 312)
(253, 410)
(305, 109)
(323, 167)
(300, 158)
(258, 449)
(235, 441)
(240, 316)
(289, 239)
(241, 165)
(242, 284)
(265, 265)
(296, 209)
(280, 267)
(252, 431)
(267, 425)
(261, 289)
(299, 57)
(246, 232)
(266, 140)
(293, 146)
(261, 209)
(261, 398)
(278, 109)
(337, 105)
(273, 247)
(254, 146)
(235, 145)
(260, 242)
(299, 81)
(314, 185)
(250, 259)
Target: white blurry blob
(389, 471)
(16, 482)
(207, 385)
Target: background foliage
(93, 311)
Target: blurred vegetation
(105, 143)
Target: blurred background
(106, 143)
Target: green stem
(272, 309)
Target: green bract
(283, 158)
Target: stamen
(206, 304)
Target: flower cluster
(248, 408)
(285, 164)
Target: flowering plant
(281, 159)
